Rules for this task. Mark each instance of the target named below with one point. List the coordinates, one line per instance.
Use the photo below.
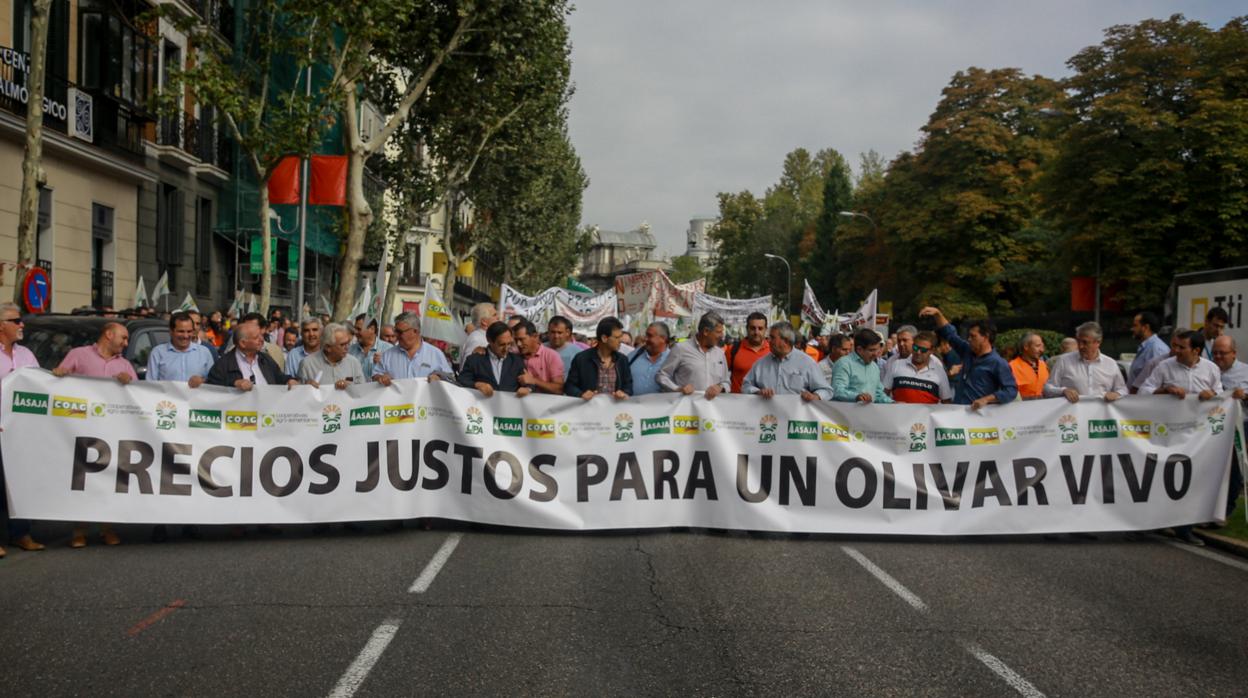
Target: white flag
(362, 301)
(162, 288)
(140, 294)
(251, 302)
(812, 312)
(436, 321)
(326, 306)
(188, 303)
(237, 306)
(865, 317)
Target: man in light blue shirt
(856, 376)
(311, 333)
(559, 333)
(649, 358)
(1144, 329)
(786, 372)
(182, 358)
(413, 357)
(368, 346)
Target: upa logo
(240, 421)
(364, 416)
(30, 403)
(536, 428)
(623, 427)
(1217, 420)
(1136, 428)
(331, 419)
(830, 431)
(476, 421)
(205, 419)
(950, 437)
(72, 407)
(803, 431)
(767, 429)
(1102, 429)
(1068, 427)
(398, 414)
(984, 437)
(508, 426)
(658, 425)
(918, 437)
(166, 415)
(685, 424)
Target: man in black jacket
(602, 369)
(498, 368)
(246, 365)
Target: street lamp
(788, 289)
(860, 214)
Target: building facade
(698, 242)
(612, 253)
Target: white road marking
(421, 585)
(358, 671)
(897, 587)
(1237, 564)
(998, 667)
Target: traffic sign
(37, 291)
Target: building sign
(19, 63)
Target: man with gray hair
(1086, 371)
(333, 363)
(310, 331)
(1234, 379)
(698, 365)
(784, 371)
(648, 359)
(483, 315)
(412, 357)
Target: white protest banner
(734, 311)
(436, 321)
(812, 312)
(585, 310)
(654, 292)
(537, 309)
(84, 449)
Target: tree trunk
(359, 213)
(32, 159)
(266, 247)
(392, 280)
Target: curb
(1230, 545)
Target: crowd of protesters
(932, 366)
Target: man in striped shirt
(920, 378)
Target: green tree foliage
(838, 192)
(686, 269)
(740, 247)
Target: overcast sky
(677, 100)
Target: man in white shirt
(920, 378)
(483, 315)
(1234, 379)
(1086, 371)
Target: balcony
(101, 288)
(177, 139)
(214, 151)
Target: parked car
(51, 336)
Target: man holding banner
(1086, 371)
(699, 365)
(785, 371)
(413, 357)
(498, 369)
(543, 369)
(182, 358)
(602, 369)
(246, 365)
(856, 378)
(987, 376)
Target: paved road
(672, 613)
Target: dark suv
(50, 337)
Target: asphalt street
(466, 610)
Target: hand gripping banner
(86, 449)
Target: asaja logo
(331, 419)
(1136, 428)
(240, 421)
(73, 407)
(536, 428)
(918, 437)
(1102, 429)
(830, 431)
(767, 429)
(804, 431)
(685, 424)
(1217, 420)
(623, 427)
(658, 425)
(398, 414)
(950, 437)
(30, 403)
(984, 437)
(508, 426)
(205, 419)
(166, 415)
(1068, 427)
(364, 416)
(475, 422)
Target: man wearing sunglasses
(920, 378)
(12, 357)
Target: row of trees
(1137, 162)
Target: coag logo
(623, 427)
(1068, 427)
(364, 416)
(1136, 428)
(984, 437)
(475, 421)
(240, 421)
(918, 437)
(30, 403)
(205, 419)
(1102, 429)
(805, 431)
(767, 429)
(537, 428)
(166, 415)
(830, 431)
(436, 311)
(1217, 420)
(685, 424)
(950, 437)
(72, 407)
(331, 419)
(508, 426)
(658, 425)
(398, 414)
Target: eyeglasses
(14, 320)
(921, 350)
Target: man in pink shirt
(12, 357)
(104, 359)
(543, 369)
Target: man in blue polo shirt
(182, 358)
(648, 359)
(413, 357)
(988, 378)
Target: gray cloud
(677, 101)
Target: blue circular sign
(37, 291)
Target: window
(58, 35)
(101, 223)
(169, 215)
(44, 243)
(101, 255)
(115, 56)
(203, 247)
